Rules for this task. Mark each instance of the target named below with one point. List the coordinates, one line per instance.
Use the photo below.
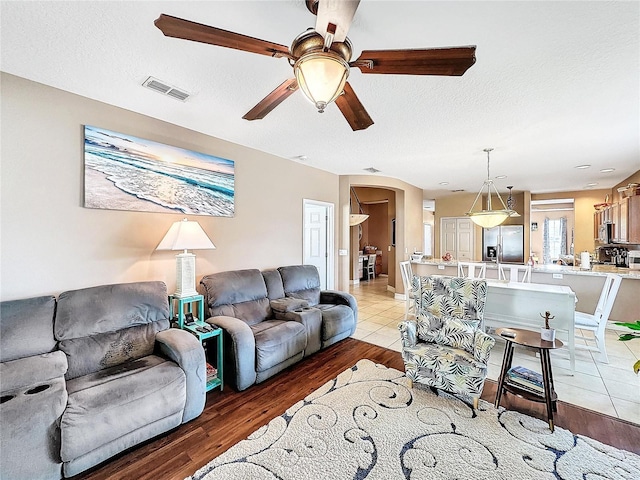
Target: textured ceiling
(555, 84)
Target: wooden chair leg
(410, 383)
(475, 403)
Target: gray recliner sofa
(274, 318)
(33, 394)
(118, 376)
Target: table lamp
(185, 235)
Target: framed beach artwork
(123, 172)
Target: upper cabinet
(632, 228)
(624, 218)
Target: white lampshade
(185, 235)
(321, 76)
(489, 218)
(357, 219)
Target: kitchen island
(587, 284)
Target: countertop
(595, 270)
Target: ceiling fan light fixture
(321, 76)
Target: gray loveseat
(274, 318)
(116, 375)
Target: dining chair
(597, 322)
(409, 303)
(371, 267)
(468, 270)
(515, 272)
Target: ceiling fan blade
(197, 32)
(353, 110)
(453, 61)
(338, 12)
(271, 101)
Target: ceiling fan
(321, 59)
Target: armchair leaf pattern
(445, 347)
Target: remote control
(202, 329)
(508, 334)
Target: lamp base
(185, 275)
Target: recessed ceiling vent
(458, 190)
(371, 170)
(168, 90)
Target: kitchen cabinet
(633, 219)
(623, 225)
(614, 218)
(597, 221)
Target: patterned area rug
(367, 423)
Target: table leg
(220, 360)
(506, 365)
(548, 383)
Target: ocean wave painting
(123, 172)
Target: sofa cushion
(444, 367)
(446, 330)
(240, 293)
(109, 404)
(14, 315)
(454, 296)
(276, 341)
(336, 319)
(95, 310)
(301, 281)
(273, 281)
(91, 354)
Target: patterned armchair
(445, 348)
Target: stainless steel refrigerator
(504, 243)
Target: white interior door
(457, 237)
(448, 236)
(318, 239)
(465, 239)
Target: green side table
(179, 306)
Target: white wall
(50, 243)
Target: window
(555, 238)
(428, 239)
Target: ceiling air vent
(166, 89)
(371, 170)
(458, 190)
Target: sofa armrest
(408, 333)
(482, 345)
(183, 348)
(25, 372)
(340, 298)
(240, 348)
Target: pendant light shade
(489, 218)
(356, 218)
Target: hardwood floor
(230, 416)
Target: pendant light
(511, 203)
(489, 218)
(356, 218)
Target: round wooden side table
(528, 339)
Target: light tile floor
(610, 388)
